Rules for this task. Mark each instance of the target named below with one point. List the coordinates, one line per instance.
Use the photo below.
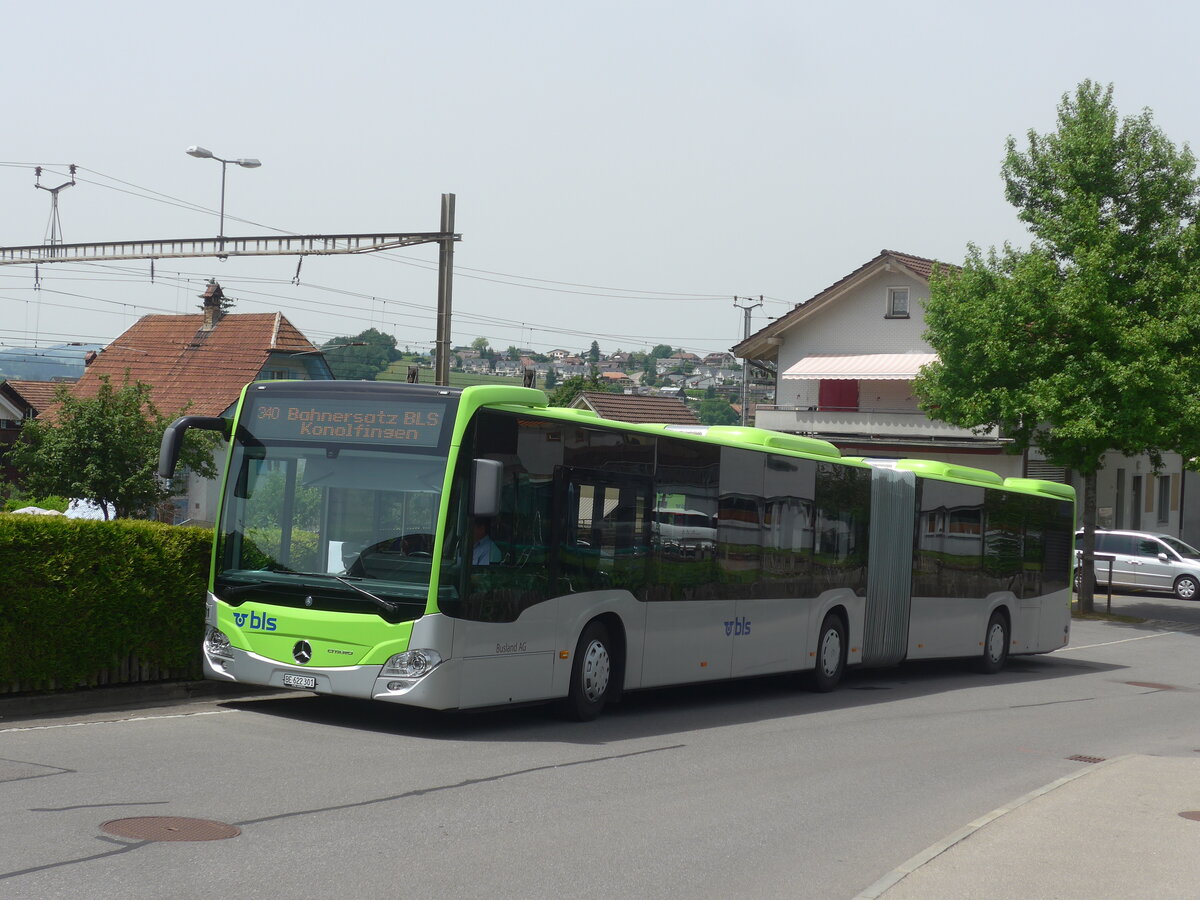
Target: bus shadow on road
(668, 711)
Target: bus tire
(831, 654)
(995, 645)
(591, 674)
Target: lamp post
(201, 153)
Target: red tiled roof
(38, 394)
(636, 408)
(185, 364)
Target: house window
(837, 395)
(278, 375)
(897, 303)
(1164, 499)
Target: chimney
(215, 304)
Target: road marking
(214, 712)
(1144, 637)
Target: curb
(930, 853)
(129, 696)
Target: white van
(1147, 561)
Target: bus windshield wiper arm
(385, 605)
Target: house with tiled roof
(636, 408)
(19, 401)
(844, 363)
(199, 363)
(39, 395)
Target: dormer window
(897, 303)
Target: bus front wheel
(995, 645)
(591, 674)
(831, 654)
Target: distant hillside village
(677, 372)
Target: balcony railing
(884, 423)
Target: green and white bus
(464, 548)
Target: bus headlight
(412, 663)
(217, 644)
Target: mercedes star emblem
(302, 652)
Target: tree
(105, 449)
(661, 351)
(551, 379)
(575, 385)
(716, 412)
(480, 344)
(362, 356)
(1086, 342)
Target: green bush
(20, 502)
(78, 597)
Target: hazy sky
(622, 169)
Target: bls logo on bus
(737, 627)
(258, 621)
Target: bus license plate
(304, 682)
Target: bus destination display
(347, 421)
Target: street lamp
(201, 153)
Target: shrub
(78, 597)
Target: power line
(502, 278)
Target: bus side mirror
(485, 487)
(172, 439)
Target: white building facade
(845, 361)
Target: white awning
(859, 366)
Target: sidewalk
(117, 697)
(1112, 830)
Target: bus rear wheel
(995, 645)
(591, 674)
(831, 654)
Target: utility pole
(445, 278)
(745, 362)
(55, 227)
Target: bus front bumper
(438, 689)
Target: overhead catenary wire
(462, 315)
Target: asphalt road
(756, 788)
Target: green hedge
(80, 599)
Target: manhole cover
(170, 828)
(1193, 814)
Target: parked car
(1147, 561)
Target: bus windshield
(343, 525)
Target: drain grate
(170, 828)
(1086, 759)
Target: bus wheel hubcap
(831, 652)
(996, 642)
(596, 668)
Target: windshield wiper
(236, 589)
(385, 605)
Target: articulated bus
(464, 548)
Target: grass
(398, 371)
